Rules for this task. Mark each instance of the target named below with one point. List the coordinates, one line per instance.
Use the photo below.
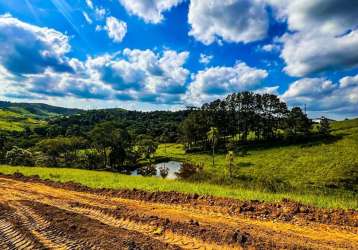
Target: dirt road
(36, 214)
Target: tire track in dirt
(148, 220)
(166, 236)
(41, 229)
(13, 238)
(159, 233)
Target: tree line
(246, 117)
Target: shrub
(148, 170)
(18, 156)
(187, 170)
(164, 171)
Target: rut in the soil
(12, 238)
(51, 238)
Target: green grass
(14, 121)
(310, 167)
(99, 179)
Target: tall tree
(230, 157)
(324, 128)
(213, 137)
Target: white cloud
(205, 59)
(323, 35)
(100, 13)
(268, 90)
(89, 4)
(348, 81)
(27, 48)
(309, 87)
(325, 16)
(230, 20)
(87, 18)
(116, 29)
(146, 71)
(322, 95)
(217, 82)
(311, 53)
(151, 11)
(272, 47)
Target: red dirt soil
(49, 215)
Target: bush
(41, 159)
(91, 160)
(19, 157)
(164, 171)
(148, 170)
(187, 170)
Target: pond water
(173, 167)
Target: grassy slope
(13, 121)
(314, 166)
(96, 179)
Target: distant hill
(37, 110)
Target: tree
(53, 148)
(164, 138)
(2, 148)
(230, 157)
(146, 146)
(19, 157)
(213, 137)
(297, 122)
(324, 128)
(164, 171)
(111, 142)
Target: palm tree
(213, 137)
(230, 157)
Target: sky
(169, 54)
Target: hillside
(321, 166)
(17, 116)
(37, 110)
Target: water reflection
(173, 167)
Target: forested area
(117, 139)
(248, 118)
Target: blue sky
(166, 54)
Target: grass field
(331, 164)
(13, 121)
(97, 179)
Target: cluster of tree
(107, 145)
(244, 117)
(161, 125)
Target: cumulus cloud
(151, 11)
(217, 82)
(205, 59)
(130, 74)
(28, 49)
(116, 29)
(143, 70)
(272, 47)
(310, 53)
(325, 16)
(229, 20)
(348, 81)
(323, 35)
(320, 94)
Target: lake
(173, 167)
